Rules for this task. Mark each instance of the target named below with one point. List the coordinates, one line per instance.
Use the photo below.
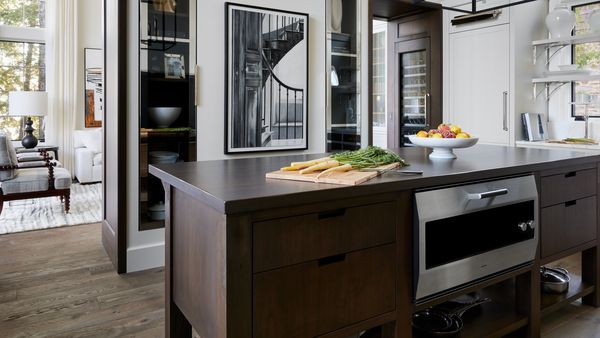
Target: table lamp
(28, 104)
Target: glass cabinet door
(343, 116)
(167, 116)
(414, 88)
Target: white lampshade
(27, 103)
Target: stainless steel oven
(469, 232)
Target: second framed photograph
(174, 66)
(267, 79)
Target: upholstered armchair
(41, 179)
(88, 155)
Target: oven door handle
(487, 194)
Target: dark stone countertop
(234, 186)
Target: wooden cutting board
(352, 177)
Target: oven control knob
(522, 226)
(530, 224)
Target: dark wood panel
(198, 262)
(317, 297)
(568, 186)
(115, 106)
(567, 225)
(291, 240)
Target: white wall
(211, 58)
(89, 35)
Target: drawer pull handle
(332, 213)
(571, 174)
(570, 203)
(332, 259)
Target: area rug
(44, 213)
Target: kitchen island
(248, 256)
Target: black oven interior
(462, 236)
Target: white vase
(336, 16)
(560, 22)
(594, 21)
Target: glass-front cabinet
(344, 113)
(167, 116)
(414, 83)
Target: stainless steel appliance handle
(505, 111)
(487, 194)
(425, 104)
(197, 85)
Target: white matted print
(267, 79)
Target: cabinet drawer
(297, 239)
(568, 186)
(567, 225)
(320, 296)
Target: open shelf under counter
(577, 289)
(497, 318)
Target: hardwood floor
(60, 283)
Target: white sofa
(88, 155)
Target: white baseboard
(145, 257)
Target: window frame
(573, 48)
(19, 34)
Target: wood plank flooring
(60, 283)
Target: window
(22, 58)
(585, 55)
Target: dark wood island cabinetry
(252, 257)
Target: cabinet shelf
(567, 78)
(577, 289)
(571, 40)
(349, 55)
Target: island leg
(590, 273)
(176, 325)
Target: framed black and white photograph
(266, 79)
(174, 66)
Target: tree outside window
(22, 61)
(585, 55)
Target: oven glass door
(470, 234)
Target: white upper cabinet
(479, 83)
(488, 66)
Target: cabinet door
(479, 83)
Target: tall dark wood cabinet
(167, 51)
(415, 65)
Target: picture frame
(93, 61)
(174, 66)
(266, 79)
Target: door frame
(114, 223)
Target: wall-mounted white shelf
(559, 81)
(552, 46)
(567, 78)
(571, 40)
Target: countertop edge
(307, 197)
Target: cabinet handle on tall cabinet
(505, 111)
(197, 85)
